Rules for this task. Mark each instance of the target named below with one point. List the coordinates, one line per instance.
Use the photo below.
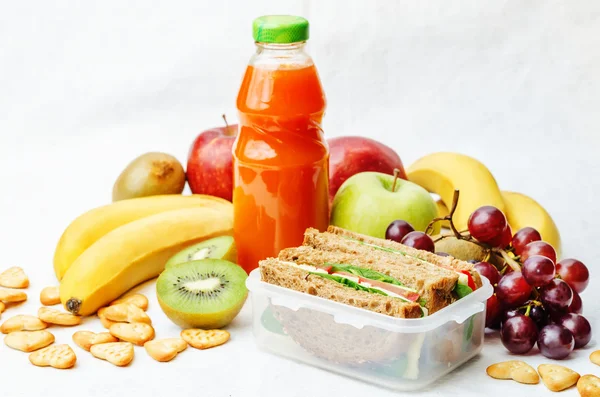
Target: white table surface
(84, 89)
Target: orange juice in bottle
(280, 157)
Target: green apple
(366, 204)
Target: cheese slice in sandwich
(434, 286)
(468, 276)
(351, 285)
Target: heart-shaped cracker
(138, 300)
(22, 322)
(138, 333)
(56, 356)
(86, 339)
(116, 353)
(165, 349)
(53, 316)
(50, 296)
(14, 277)
(557, 377)
(28, 341)
(589, 386)
(519, 371)
(204, 339)
(106, 323)
(11, 295)
(126, 313)
(595, 357)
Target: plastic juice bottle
(280, 157)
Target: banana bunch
(442, 173)
(111, 249)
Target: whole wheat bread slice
(425, 255)
(434, 285)
(274, 271)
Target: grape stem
(510, 261)
(464, 235)
(448, 218)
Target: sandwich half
(438, 283)
(466, 271)
(319, 280)
(404, 279)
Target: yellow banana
(523, 211)
(442, 173)
(89, 227)
(136, 252)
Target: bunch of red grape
(536, 299)
(538, 304)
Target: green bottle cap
(280, 29)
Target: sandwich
(368, 273)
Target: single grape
(539, 316)
(538, 248)
(487, 224)
(489, 271)
(579, 327)
(510, 313)
(493, 312)
(513, 290)
(506, 236)
(538, 270)
(556, 295)
(523, 237)
(419, 240)
(519, 334)
(555, 341)
(575, 273)
(576, 305)
(397, 230)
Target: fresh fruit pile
(536, 299)
(111, 249)
(443, 173)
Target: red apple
(349, 155)
(209, 167)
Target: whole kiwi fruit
(464, 250)
(150, 174)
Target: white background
(87, 86)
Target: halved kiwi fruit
(207, 294)
(222, 247)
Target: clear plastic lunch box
(401, 354)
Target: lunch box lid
(458, 311)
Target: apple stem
(396, 174)
(226, 125)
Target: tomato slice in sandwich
(471, 282)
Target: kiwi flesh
(150, 174)
(207, 294)
(222, 247)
